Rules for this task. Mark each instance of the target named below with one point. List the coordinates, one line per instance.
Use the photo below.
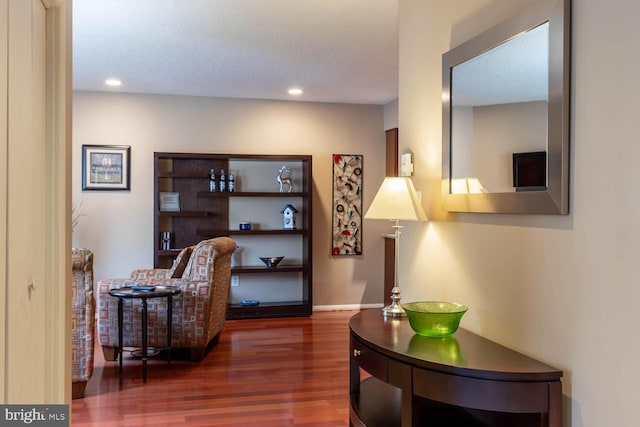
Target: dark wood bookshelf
(267, 270)
(271, 309)
(251, 194)
(185, 213)
(249, 232)
(204, 214)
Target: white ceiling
(342, 51)
(515, 71)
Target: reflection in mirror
(506, 116)
(498, 108)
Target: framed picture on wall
(106, 167)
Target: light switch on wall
(406, 164)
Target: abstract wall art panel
(347, 205)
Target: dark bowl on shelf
(271, 261)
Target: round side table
(144, 293)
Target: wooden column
(389, 242)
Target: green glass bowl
(434, 318)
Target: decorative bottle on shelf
(212, 181)
(232, 183)
(223, 181)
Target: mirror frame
(555, 200)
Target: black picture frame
(106, 168)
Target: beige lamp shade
(396, 199)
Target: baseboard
(345, 307)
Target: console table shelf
(461, 380)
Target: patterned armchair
(83, 308)
(199, 312)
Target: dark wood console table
(461, 380)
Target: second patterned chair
(83, 308)
(199, 312)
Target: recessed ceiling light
(295, 91)
(113, 82)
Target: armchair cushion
(176, 270)
(179, 265)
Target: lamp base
(391, 311)
(394, 309)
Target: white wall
(562, 289)
(390, 111)
(462, 146)
(118, 226)
(502, 130)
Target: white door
(30, 283)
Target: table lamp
(396, 200)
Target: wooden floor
(272, 372)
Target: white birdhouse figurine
(289, 213)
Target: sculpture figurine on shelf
(289, 217)
(282, 179)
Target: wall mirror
(505, 112)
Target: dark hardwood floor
(271, 372)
